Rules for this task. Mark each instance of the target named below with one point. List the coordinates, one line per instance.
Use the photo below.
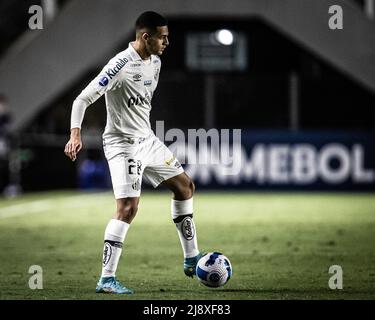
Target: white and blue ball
(214, 269)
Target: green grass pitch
(281, 245)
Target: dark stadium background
(331, 105)
(301, 201)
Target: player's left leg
(182, 214)
(164, 168)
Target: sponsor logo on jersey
(103, 81)
(137, 77)
(136, 101)
(147, 82)
(135, 65)
(187, 228)
(111, 72)
(156, 61)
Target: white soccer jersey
(128, 83)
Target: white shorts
(128, 162)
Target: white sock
(114, 237)
(182, 215)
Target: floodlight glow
(224, 37)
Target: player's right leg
(114, 237)
(126, 174)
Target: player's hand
(73, 146)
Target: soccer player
(132, 150)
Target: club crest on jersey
(103, 81)
(136, 185)
(147, 83)
(111, 72)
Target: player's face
(157, 43)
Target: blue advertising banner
(282, 160)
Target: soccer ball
(214, 269)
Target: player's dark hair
(150, 20)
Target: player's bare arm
(74, 145)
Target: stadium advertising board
(282, 160)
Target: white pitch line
(47, 205)
(24, 208)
